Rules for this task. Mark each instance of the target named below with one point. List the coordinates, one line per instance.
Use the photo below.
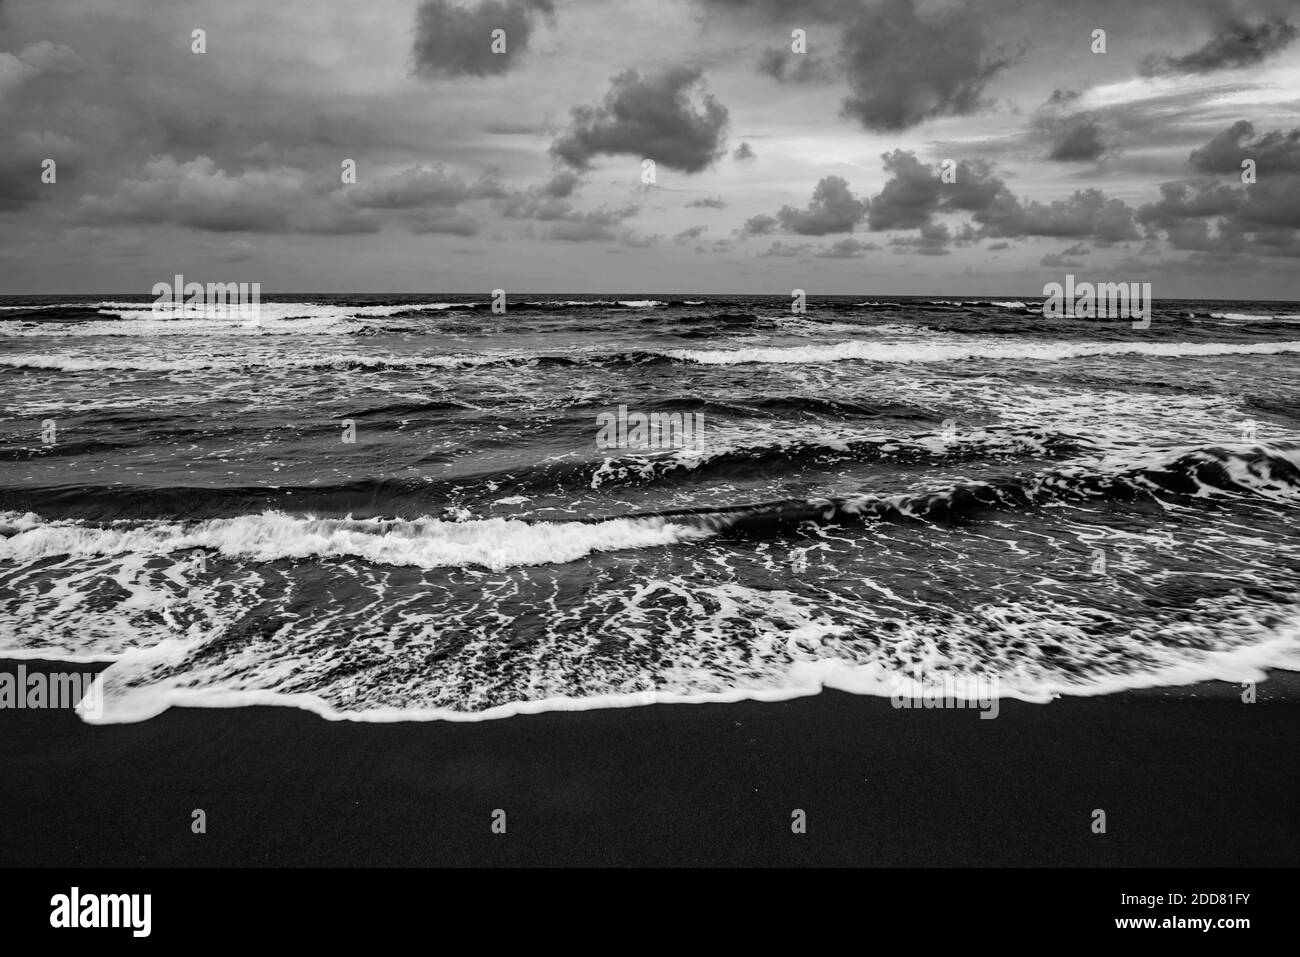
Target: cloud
(21, 156)
(785, 250)
(652, 117)
(561, 184)
(203, 196)
(909, 197)
(694, 232)
(1060, 261)
(1087, 214)
(759, 225)
(932, 240)
(708, 202)
(452, 40)
(849, 248)
(915, 193)
(1237, 44)
(35, 60)
(785, 66)
(1079, 140)
(904, 69)
(419, 186)
(547, 202)
(446, 222)
(833, 209)
(1225, 220)
(595, 225)
(637, 241)
(1273, 152)
(744, 152)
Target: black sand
(1186, 779)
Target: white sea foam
(875, 351)
(135, 319)
(494, 543)
(795, 651)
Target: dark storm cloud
(1180, 201)
(1224, 219)
(1087, 214)
(1072, 135)
(1236, 44)
(1063, 97)
(1080, 140)
(904, 68)
(909, 197)
(833, 209)
(561, 184)
(456, 40)
(915, 193)
(21, 156)
(1273, 152)
(651, 117)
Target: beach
(1192, 778)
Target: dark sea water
(882, 490)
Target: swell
(1264, 472)
(1192, 476)
(410, 498)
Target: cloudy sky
(773, 169)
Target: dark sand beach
(1188, 778)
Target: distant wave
(945, 352)
(872, 351)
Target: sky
(886, 147)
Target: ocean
(398, 507)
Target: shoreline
(1187, 779)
